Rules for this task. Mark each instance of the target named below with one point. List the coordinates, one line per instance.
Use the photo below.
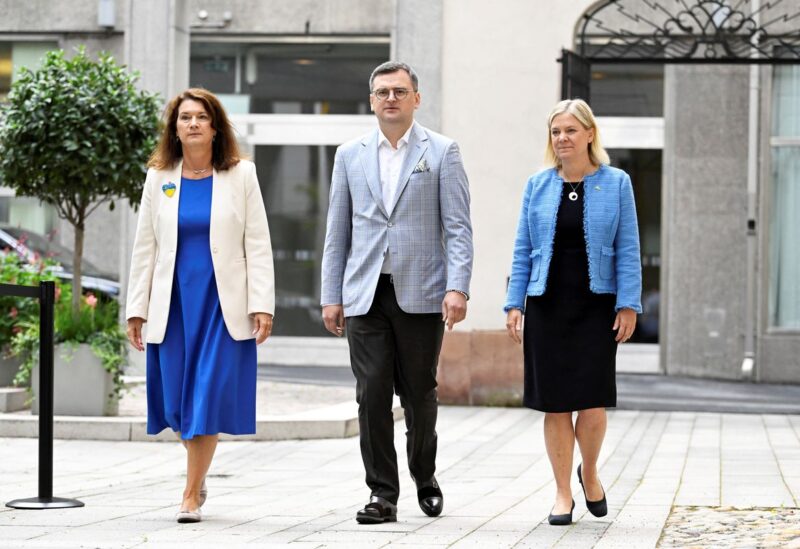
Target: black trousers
(391, 350)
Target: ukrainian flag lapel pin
(169, 189)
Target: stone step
(337, 421)
(13, 399)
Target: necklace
(197, 172)
(574, 194)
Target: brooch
(168, 189)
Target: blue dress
(200, 381)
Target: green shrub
(96, 323)
(17, 311)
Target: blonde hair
(581, 110)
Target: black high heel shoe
(561, 520)
(597, 508)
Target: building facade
(713, 149)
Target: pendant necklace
(573, 195)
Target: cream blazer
(239, 242)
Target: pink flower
(13, 313)
(91, 300)
(15, 330)
(58, 293)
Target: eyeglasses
(383, 93)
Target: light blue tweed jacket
(428, 234)
(610, 229)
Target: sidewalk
(671, 479)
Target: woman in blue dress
(202, 278)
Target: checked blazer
(428, 233)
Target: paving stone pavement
(688, 471)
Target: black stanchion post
(46, 390)
(45, 500)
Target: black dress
(569, 347)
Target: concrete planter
(82, 385)
(8, 369)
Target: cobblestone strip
(729, 527)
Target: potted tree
(90, 354)
(76, 134)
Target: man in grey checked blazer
(396, 268)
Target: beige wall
(500, 79)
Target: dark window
(290, 78)
(294, 183)
(627, 90)
(216, 73)
(644, 167)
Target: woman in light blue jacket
(576, 277)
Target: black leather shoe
(597, 508)
(377, 511)
(430, 498)
(561, 520)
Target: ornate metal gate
(682, 31)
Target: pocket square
(422, 166)
(168, 189)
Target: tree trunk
(77, 259)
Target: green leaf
(77, 131)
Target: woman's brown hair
(225, 150)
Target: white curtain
(784, 250)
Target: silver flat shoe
(203, 494)
(184, 517)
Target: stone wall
(704, 270)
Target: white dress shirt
(390, 161)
